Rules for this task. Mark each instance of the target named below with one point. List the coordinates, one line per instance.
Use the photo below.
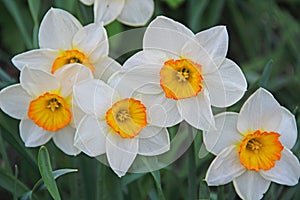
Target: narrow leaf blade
(46, 173)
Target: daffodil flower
(63, 40)
(184, 71)
(253, 147)
(43, 103)
(129, 12)
(118, 125)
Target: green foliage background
(264, 40)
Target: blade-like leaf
(266, 74)
(11, 183)
(39, 185)
(157, 180)
(204, 192)
(46, 173)
(10, 133)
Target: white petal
(64, 140)
(287, 129)
(77, 114)
(153, 144)
(224, 168)
(94, 97)
(142, 79)
(141, 72)
(32, 135)
(87, 2)
(136, 12)
(166, 35)
(251, 185)
(194, 51)
(57, 29)
(227, 85)
(161, 111)
(14, 101)
(261, 111)
(71, 74)
(37, 82)
(107, 11)
(215, 42)
(197, 111)
(286, 171)
(120, 152)
(225, 134)
(38, 59)
(105, 68)
(92, 40)
(89, 137)
(149, 58)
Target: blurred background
(264, 39)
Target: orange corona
(71, 56)
(50, 112)
(259, 150)
(181, 78)
(127, 117)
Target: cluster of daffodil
(72, 91)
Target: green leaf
(68, 5)
(46, 173)
(174, 3)
(19, 16)
(15, 185)
(34, 7)
(39, 185)
(266, 74)
(4, 154)
(10, 183)
(192, 175)
(108, 184)
(204, 192)
(157, 180)
(10, 133)
(131, 178)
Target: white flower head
(183, 71)
(63, 40)
(253, 147)
(118, 125)
(43, 103)
(129, 12)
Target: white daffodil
(184, 71)
(117, 125)
(129, 12)
(253, 147)
(43, 103)
(63, 40)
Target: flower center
(253, 145)
(259, 150)
(69, 57)
(123, 115)
(50, 112)
(181, 78)
(127, 117)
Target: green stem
(192, 183)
